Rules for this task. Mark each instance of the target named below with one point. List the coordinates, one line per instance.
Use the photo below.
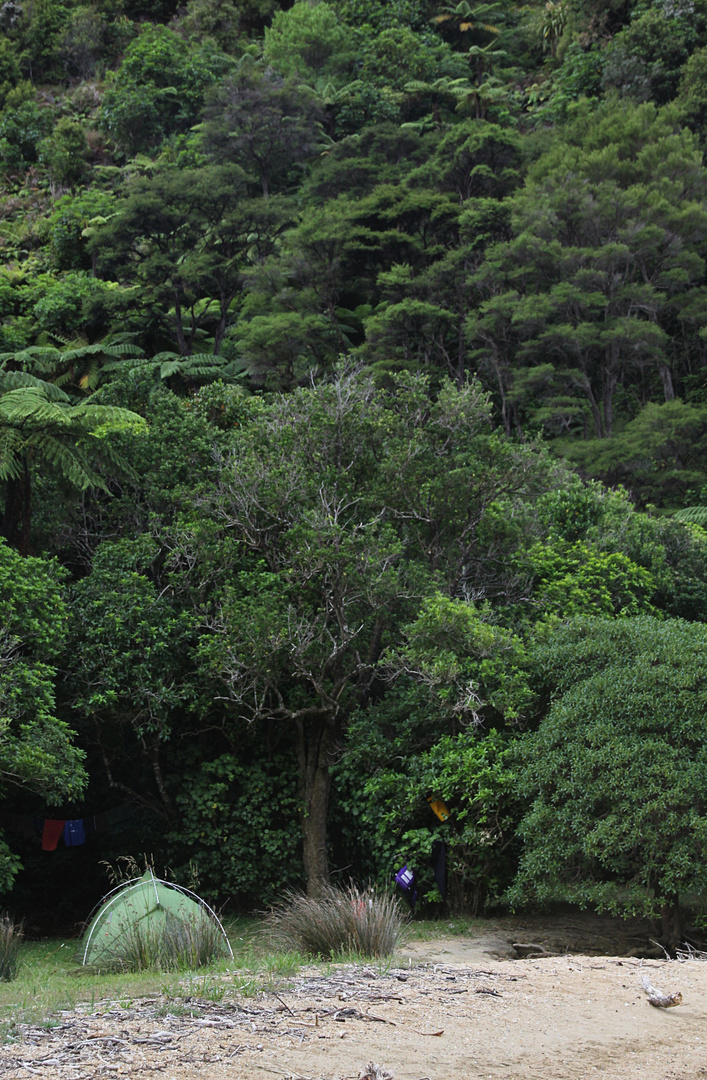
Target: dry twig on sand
(689, 952)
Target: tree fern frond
(124, 348)
(77, 342)
(107, 418)
(693, 515)
(11, 446)
(130, 363)
(15, 380)
(40, 359)
(66, 459)
(169, 367)
(26, 408)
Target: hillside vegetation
(353, 418)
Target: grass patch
(49, 981)
(171, 944)
(458, 926)
(343, 923)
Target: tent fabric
(143, 899)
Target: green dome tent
(162, 921)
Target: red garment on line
(51, 834)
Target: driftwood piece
(658, 998)
(529, 950)
(375, 1072)
(689, 952)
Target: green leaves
(575, 579)
(617, 769)
(39, 420)
(158, 88)
(470, 667)
(36, 748)
(130, 644)
(603, 255)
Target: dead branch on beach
(658, 998)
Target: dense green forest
(353, 418)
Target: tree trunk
(667, 380)
(593, 403)
(610, 383)
(179, 325)
(17, 515)
(314, 746)
(671, 923)
(159, 778)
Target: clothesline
(73, 831)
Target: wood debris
(658, 998)
(375, 1072)
(163, 1036)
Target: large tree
(182, 241)
(350, 504)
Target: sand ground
(451, 1009)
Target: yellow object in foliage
(438, 807)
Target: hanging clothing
(74, 833)
(439, 866)
(439, 808)
(52, 833)
(404, 878)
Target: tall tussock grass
(338, 921)
(11, 937)
(172, 945)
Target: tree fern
(79, 366)
(198, 368)
(694, 515)
(42, 427)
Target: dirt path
(447, 1011)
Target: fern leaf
(693, 515)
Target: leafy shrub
(470, 772)
(68, 225)
(158, 89)
(338, 921)
(71, 305)
(21, 129)
(11, 935)
(65, 151)
(616, 775)
(576, 579)
(646, 59)
(310, 42)
(9, 68)
(239, 825)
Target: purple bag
(404, 878)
